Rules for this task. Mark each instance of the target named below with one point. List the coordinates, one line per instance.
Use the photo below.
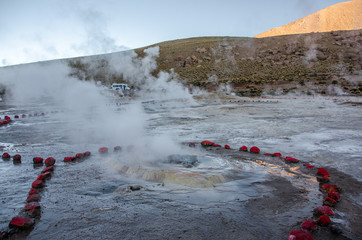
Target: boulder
(334, 195)
(243, 148)
(322, 172)
(34, 212)
(16, 116)
(324, 179)
(38, 160)
(23, 115)
(329, 187)
(50, 161)
(323, 220)
(21, 222)
(207, 143)
(103, 150)
(6, 156)
(254, 149)
(79, 155)
(31, 205)
(33, 198)
(69, 159)
(307, 165)
(300, 234)
(87, 153)
(327, 201)
(48, 169)
(323, 210)
(117, 148)
(291, 160)
(17, 158)
(277, 154)
(309, 224)
(33, 191)
(37, 184)
(191, 144)
(44, 176)
(227, 147)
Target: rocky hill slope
(341, 16)
(324, 63)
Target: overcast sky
(36, 30)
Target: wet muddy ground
(258, 197)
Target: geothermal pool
(222, 194)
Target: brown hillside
(341, 16)
(324, 63)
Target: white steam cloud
(89, 118)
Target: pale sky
(37, 30)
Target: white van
(120, 86)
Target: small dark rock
(135, 188)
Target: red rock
(191, 144)
(327, 201)
(38, 160)
(216, 145)
(323, 210)
(117, 148)
(309, 224)
(291, 160)
(34, 212)
(37, 184)
(21, 222)
(277, 154)
(17, 158)
(33, 198)
(41, 177)
(268, 154)
(47, 175)
(323, 179)
(16, 116)
(49, 161)
(33, 191)
(329, 187)
(69, 159)
(323, 220)
(31, 205)
(7, 118)
(243, 148)
(87, 153)
(79, 155)
(227, 147)
(300, 234)
(207, 143)
(103, 150)
(6, 156)
(23, 115)
(322, 172)
(48, 169)
(334, 195)
(254, 149)
(307, 165)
